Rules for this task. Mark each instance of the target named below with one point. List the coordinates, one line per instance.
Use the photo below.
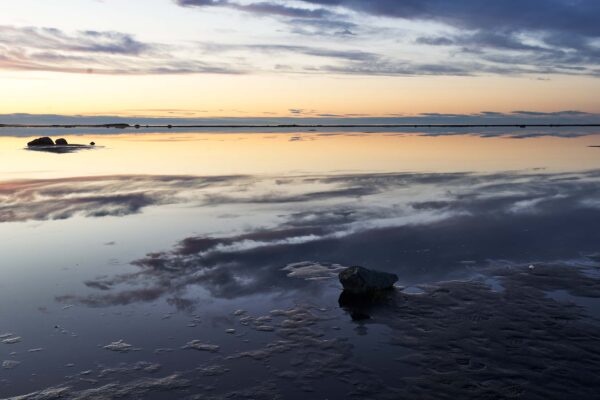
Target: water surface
(204, 265)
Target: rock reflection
(72, 148)
(361, 306)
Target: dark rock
(359, 280)
(43, 141)
(92, 143)
(61, 142)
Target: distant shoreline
(270, 126)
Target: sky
(298, 58)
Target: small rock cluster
(46, 141)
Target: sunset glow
(197, 58)
(299, 199)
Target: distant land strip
(267, 126)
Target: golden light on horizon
(276, 153)
(265, 95)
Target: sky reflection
(422, 226)
(211, 245)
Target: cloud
(567, 113)
(508, 37)
(577, 17)
(263, 8)
(337, 27)
(349, 55)
(548, 53)
(302, 20)
(83, 41)
(525, 38)
(552, 36)
(398, 68)
(108, 53)
(114, 53)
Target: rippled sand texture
(455, 339)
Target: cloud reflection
(100, 196)
(421, 226)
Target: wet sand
(456, 339)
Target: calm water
(204, 265)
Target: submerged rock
(363, 281)
(43, 141)
(61, 142)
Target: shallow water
(170, 241)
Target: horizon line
(233, 126)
